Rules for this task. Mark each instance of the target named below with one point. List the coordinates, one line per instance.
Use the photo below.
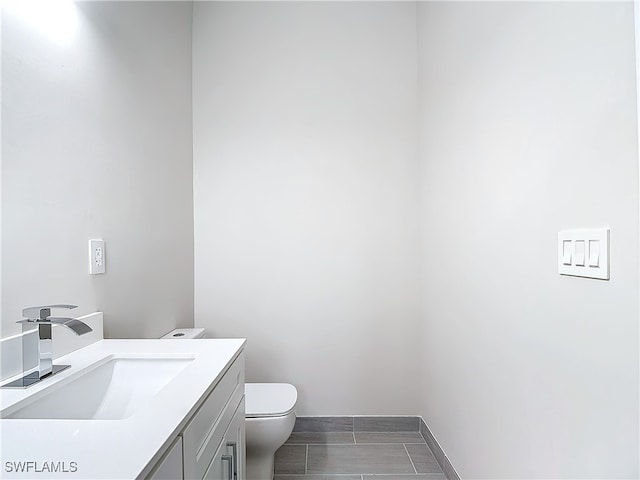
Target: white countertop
(113, 449)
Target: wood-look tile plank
(380, 459)
(432, 443)
(389, 437)
(323, 477)
(450, 472)
(418, 476)
(386, 424)
(291, 459)
(323, 424)
(321, 437)
(423, 459)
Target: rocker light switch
(584, 253)
(566, 252)
(594, 253)
(579, 253)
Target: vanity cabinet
(212, 445)
(170, 467)
(229, 460)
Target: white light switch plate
(584, 253)
(97, 259)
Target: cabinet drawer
(203, 434)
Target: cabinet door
(170, 467)
(221, 467)
(229, 461)
(235, 441)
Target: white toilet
(270, 413)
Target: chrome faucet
(41, 316)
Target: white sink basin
(112, 389)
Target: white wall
(96, 142)
(305, 196)
(308, 210)
(527, 127)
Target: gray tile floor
(356, 456)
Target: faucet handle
(44, 311)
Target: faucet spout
(41, 316)
(78, 327)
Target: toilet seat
(269, 399)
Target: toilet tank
(184, 334)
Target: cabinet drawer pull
(234, 447)
(229, 458)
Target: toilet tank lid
(269, 399)
(185, 333)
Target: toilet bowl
(270, 414)
(269, 418)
